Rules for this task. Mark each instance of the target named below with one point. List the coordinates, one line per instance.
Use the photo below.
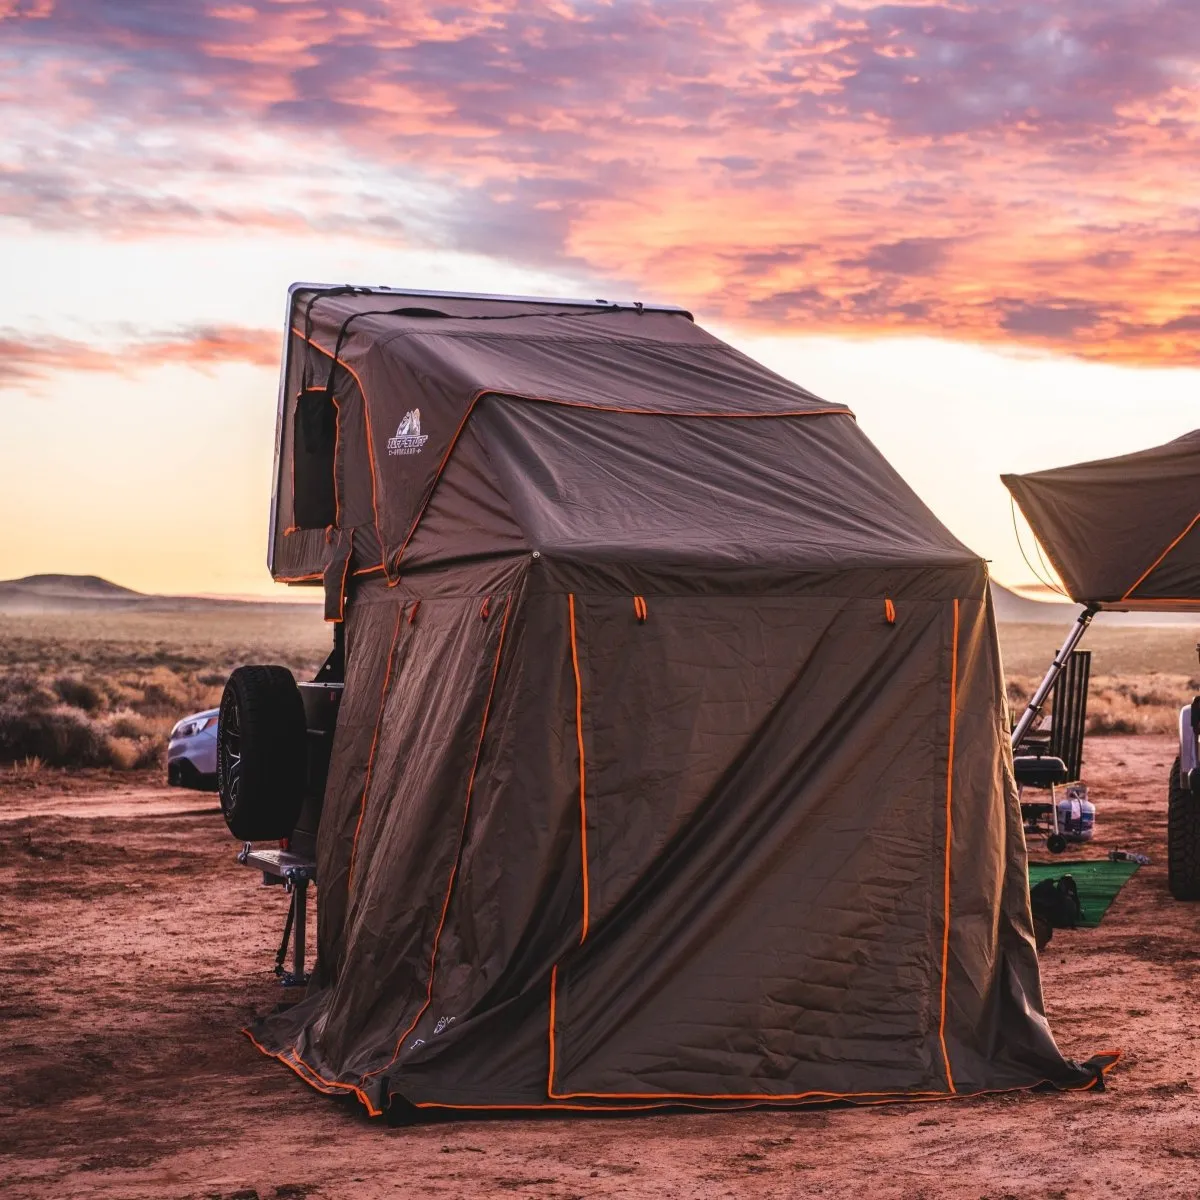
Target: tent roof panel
(1118, 530)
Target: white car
(192, 752)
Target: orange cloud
(1004, 171)
(32, 358)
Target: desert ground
(135, 949)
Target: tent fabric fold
(1122, 533)
(671, 766)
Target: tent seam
(949, 830)
(1158, 561)
(582, 770)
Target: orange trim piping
(342, 585)
(660, 1100)
(949, 836)
(866, 1098)
(645, 412)
(605, 1108)
(1155, 603)
(298, 578)
(889, 612)
(1163, 555)
(337, 441)
(582, 771)
(553, 989)
(487, 707)
(663, 412)
(436, 480)
(362, 804)
(296, 1064)
(863, 1099)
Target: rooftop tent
(671, 765)
(1122, 532)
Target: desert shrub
(127, 754)
(144, 671)
(25, 690)
(60, 737)
(79, 693)
(129, 725)
(1120, 704)
(1125, 708)
(151, 752)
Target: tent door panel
(765, 811)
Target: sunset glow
(1018, 178)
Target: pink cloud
(996, 170)
(34, 358)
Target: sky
(974, 222)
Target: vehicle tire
(1056, 843)
(1183, 839)
(261, 753)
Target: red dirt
(134, 949)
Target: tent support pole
(1033, 710)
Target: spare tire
(1183, 839)
(261, 753)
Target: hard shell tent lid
(381, 389)
(1122, 533)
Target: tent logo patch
(409, 439)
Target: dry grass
(103, 690)
(1141, 675)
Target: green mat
(1098, 881)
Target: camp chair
(1056, 755)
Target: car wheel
(261, 753)
(1183, 839)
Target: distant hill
(89, 593)
(67, 587)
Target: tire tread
(273, 753)
(1183, 839)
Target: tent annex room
(672, 762)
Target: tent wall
(767, 787)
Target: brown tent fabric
(671, 766)
(1122, 533)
